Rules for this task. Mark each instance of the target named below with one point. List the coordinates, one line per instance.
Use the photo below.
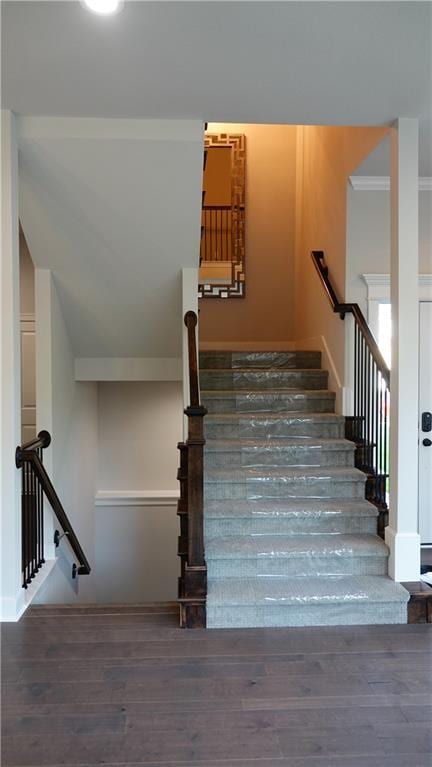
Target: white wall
(27, 287)
(368, 239)
(114, 462)
(68, 409)
(113, 209)
(12, 596)
(140, 424)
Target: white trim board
(13, 609)
(137, 497)
(378, 287)
(128, 369)
(382, 183)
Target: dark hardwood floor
(125, 686)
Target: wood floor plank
(126, 687)
(352, 741)
(188, 745)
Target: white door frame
(378, 292)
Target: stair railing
(36, 485)
(193, 579)
(368, 427)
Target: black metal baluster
(374, 426)
(33, 521)
(38, 554)
(386, 445)
(41, 506)
(358, 386)
(24, 526)
(355, 378)
(380, 468)
(368, 406)
(28, 525)
(362, 398)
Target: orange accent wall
(267, 312)
(326, 157)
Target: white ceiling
(351, 63)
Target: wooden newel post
(194, 574)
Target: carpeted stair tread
(235, 418)
(258, 359)
(307, 443)
(293, 546)
(292, 507)
(276, 392)
(287, 474)
(299, 591)
(290, 539)
(256, 379)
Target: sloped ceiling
(351, 63)
(112, 207)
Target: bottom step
(302, 601)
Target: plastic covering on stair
(264, 360)
(270, 401)
(258, 426)
(296, 546)
(303, 590)
(299, 452)
(282, 507)
(256, 379)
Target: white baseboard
(247, 346)
(12, 608)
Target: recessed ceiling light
(104, 7)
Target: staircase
(289, 538)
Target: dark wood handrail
(28, 453)
(350, 308)
(191, 321)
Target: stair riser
(259, 360)
(255, 380)
(296, 566)
(279, 428)
(305, 615)
(240, 404)
(215, 528)
(277, 457)
(272, 488)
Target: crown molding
(382, 183)
(378, 287)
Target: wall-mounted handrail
(37, 484)
(193, 581)
(43, 440)
(368, 427)
(350, 308)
